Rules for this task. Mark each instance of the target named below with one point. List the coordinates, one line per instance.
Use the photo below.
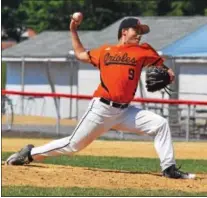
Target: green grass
(122, 163)
(75, 191)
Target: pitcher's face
(131, 35)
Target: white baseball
(78, 17)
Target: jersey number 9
(131, 74)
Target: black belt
(114, 104)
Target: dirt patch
(183, 150)
(66, 176)
(38, 174)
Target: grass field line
(120, 163)
(183, 150)
(21, 191)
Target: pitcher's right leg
(86, 131)
(91, 126)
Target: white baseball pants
(99, 118)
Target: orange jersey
(120, 68)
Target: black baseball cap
(132, 22)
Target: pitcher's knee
(161, 123)
(157, 125)
(74, 146)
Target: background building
(46, 63)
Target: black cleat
(21, 157)
(173, 172)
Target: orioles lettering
(119, 59)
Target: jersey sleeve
(151, 57)
(94, 55)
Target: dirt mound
(67, 176)
(44, 175)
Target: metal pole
(121, 135)
(162, 108)
(77, 88)
(49, 76)
(58, 117)
(187, 124)
(71, 88)
(22, 86)
(142, 94)
(175, 85)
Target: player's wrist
(171, 74)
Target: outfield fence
(55, 114)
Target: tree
(12, 19)
(43, 15)
(55, 15)
(188, 8)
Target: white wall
(193, 80)
(88, 81)
(36, 81)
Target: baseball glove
(157, 78)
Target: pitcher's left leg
(163, 143)
(141, 121)
(137, 120)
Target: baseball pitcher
(120, 66)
